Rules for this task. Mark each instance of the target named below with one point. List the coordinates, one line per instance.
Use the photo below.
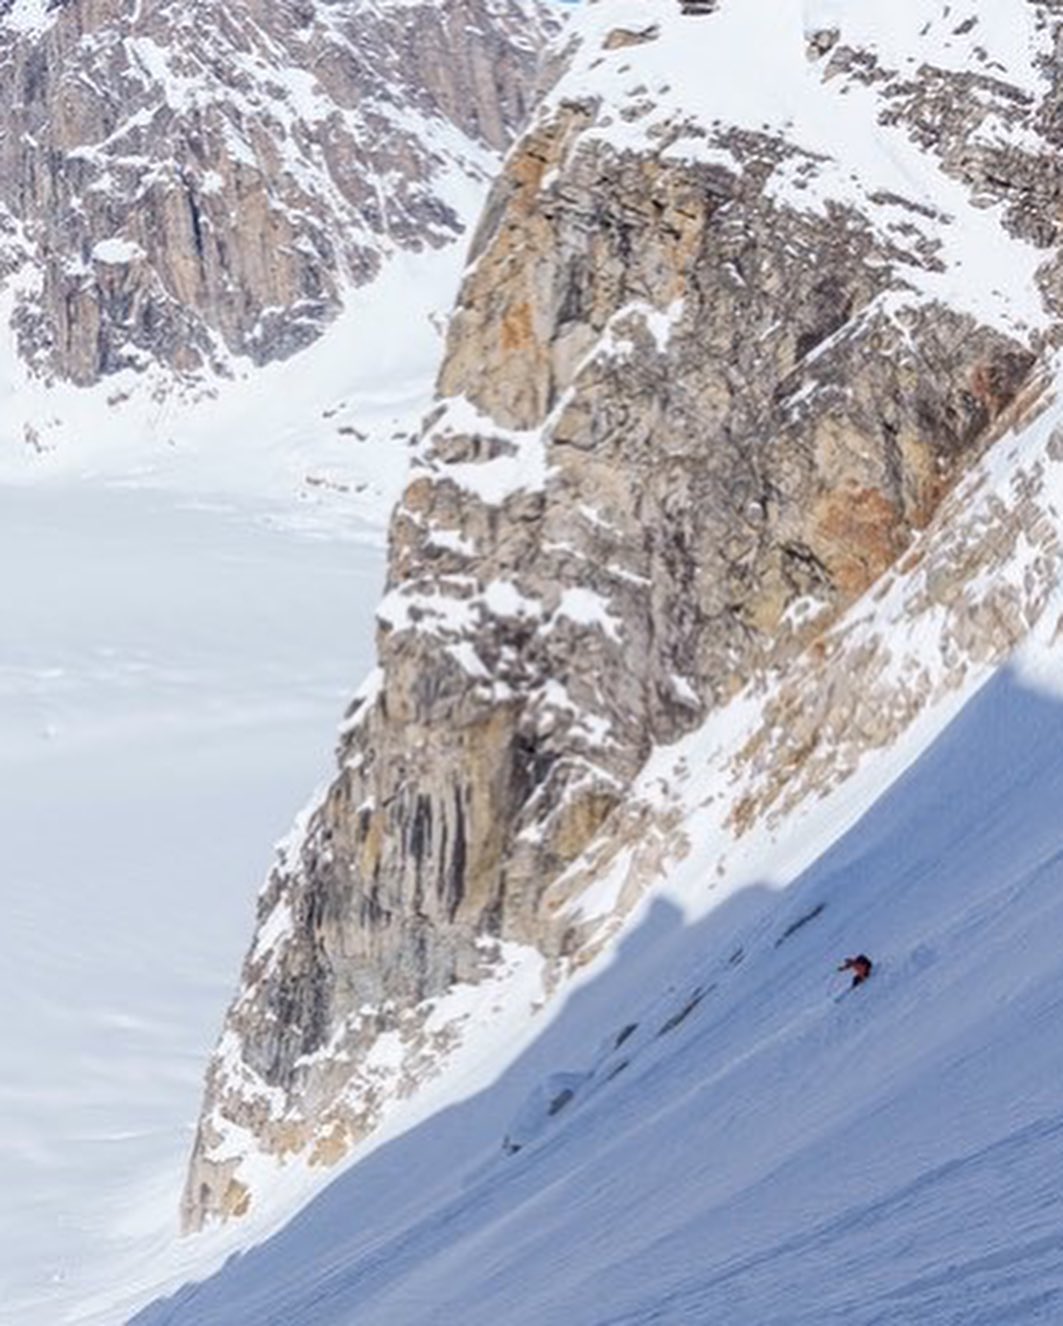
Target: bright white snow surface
(741, 1145)
(170, 684)
(187, 598)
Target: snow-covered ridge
(835, 121)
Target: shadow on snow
(730, 1142)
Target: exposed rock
(620, 37)
(985, 575)
(822, 42)
(189, 182)
(701, 392)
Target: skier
(860, 966)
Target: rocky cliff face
(725, 344)
(189, 182)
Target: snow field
(170, 682)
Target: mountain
(738, 484)
(707, 1127)
(194, 518)
(187, 185)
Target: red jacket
(860, 966)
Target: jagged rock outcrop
(708, 377)
(185, 183)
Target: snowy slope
(460, 1205)
(739, 1145)
(320, 440)
(694, 1130)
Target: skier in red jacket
(860, 966)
